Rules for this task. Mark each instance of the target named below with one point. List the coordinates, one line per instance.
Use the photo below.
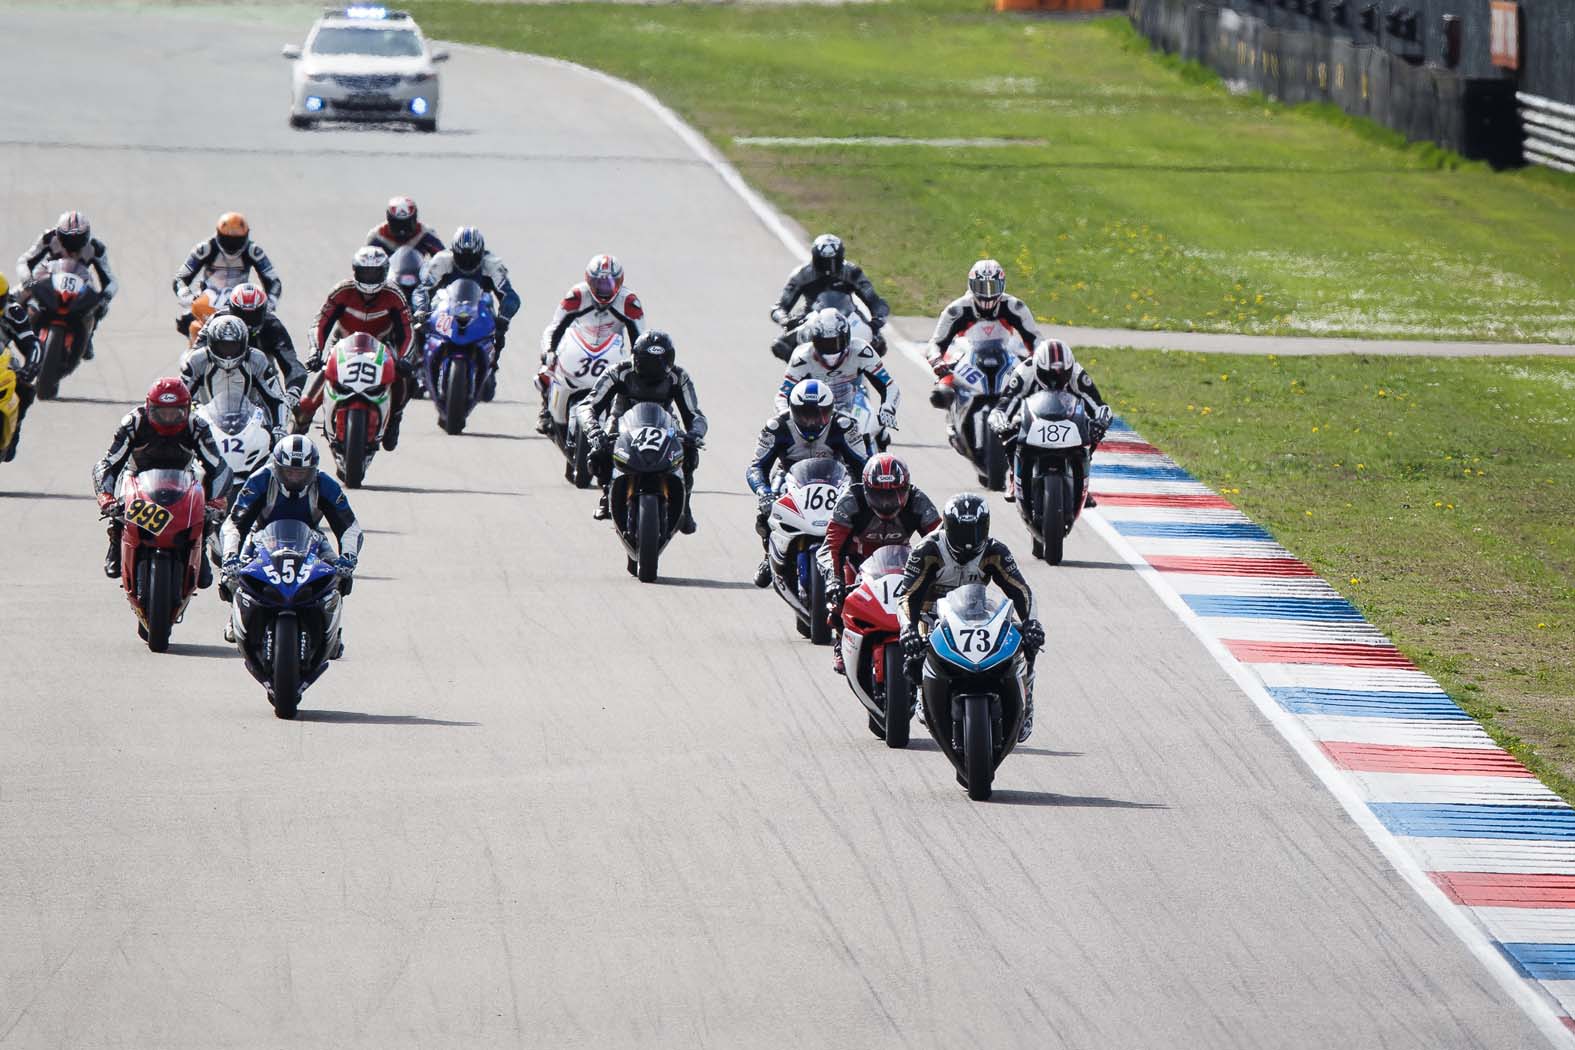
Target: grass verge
(1435, 494)
(1157, 199)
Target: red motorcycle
(163, 512)
(871, 648)
(62, 306)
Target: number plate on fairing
(147, 515)
(1054, 433)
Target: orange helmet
(233, 231)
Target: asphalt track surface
(539, 804)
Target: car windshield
(889, 559)
(380, 42)
(971, 603)
(645, 414)
(819, 471)
(286, 536)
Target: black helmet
(827, 254)
(469, 248)
(967, 524)
(653, 354)
(228, 341)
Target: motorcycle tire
(819, 628)
(456, 397)
(286, 682)
(582, 463)
(899, 696)
(648, 532)
(978, 749)
(355, 449)
(995, 462)
(52, 364)
(159, 598)
(1052, 517)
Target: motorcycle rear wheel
(456, 397)
(159, 598)
(582, 463)
(898, 696)
(819, 628)
(286, 666)
(978, 748)
(355, 449)
(52, 364)
(648, 532)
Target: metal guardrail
(1549, 128)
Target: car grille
(368, 104)
(368, 82)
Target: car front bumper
(366, 98)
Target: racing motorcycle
(457, 359)
(647, 493)
(877, 672)
(581, 359)
(62, 309)
(797, 525)
(286, 611)
(357, 389)
(163, 512)
(981, 368)
(1055, 440)
(975, 680)
(404, 273)
(244, 433)
(10, 408)
(846, 305)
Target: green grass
(1160, 201)
(1435, 494)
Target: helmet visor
(167, 417)
(227, 352)
(603, 287)
(74, 241)
(232, 242)
(887, 503)
(987, 290)
(294, 479)
(831, 349)
(811, 419)
(467, 260)
(402, 228)
(370, 277)
(966, 538)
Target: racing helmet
(370, 266)
(167, 406)
(887, 485)
(227, 341)
(966, 525)
(405, 265)
(5, 289)
(830, 334)
(986, 283)
(232, 232)
(73, 230)
(250, 304)
(653, 354)
(811, 405)
(401, 216)
(294, 463)
(827, 254)
(604, 275)
(1053, 363)
(469, 248)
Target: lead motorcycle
(647, 493)
(982, 361)
(62, 305)
(286, 611)
(163, 513)
(976, 676)
(581, 359)
(457, 361)
(842, 302)
(872, 649)
(1054, 443)
(797, 524)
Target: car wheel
(426, 125)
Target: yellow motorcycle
(10, 408)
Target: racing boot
(1091, 501)
(544, 421)
(112, 559)
(603, 507)
(229, 631)
(836, 658)
(391, 433)
(763, 573)
(205, 573)
(1028, 722)
(686, 524)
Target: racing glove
(501, 331)
(1034, 635)
(763, 502)
(230, 569)
(999, 422)
(107, 503)
(405, 367)
(314, 363)
(693, 440)
(940, 366)
(913, 644)
(887, 417)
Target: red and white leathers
(597, 320)
(961, 314)
(383, 315)
(424, 241)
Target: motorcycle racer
(402, 228)
(961, 552)
(1051, 368)
(224, 261)
(827, 269)
(809, 429)
(227, 363)
(986, 301)
(290, 488)
(368, 303)
(832, 357)
(71, 237)
(266, 333)
(16, 333)
(160, 433)
(601, 305)
(648, 376)
(467, 258)
(883, 507)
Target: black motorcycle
(62, 308)
(648, 492)
(1054, 443)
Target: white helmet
(294, 462)
(811, 405)
(986, 283)
(370, 265)
(829, 334)
(1054, 363)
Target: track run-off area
(537, 803)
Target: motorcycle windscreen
(841, 302)
(1056, 404)
(287, 536)
(819, 472)
(463, 312)
(164, 485)
(992, 355)
(971, 603)
(230, 412)
(646, 414)
(892, 558)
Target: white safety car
(364, 63)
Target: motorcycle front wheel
(1052, 517)
(978, 748)
(52, 364)
(161, 585)
(648, 532)
(456, 396)
(898, 696)
(355, 449)
(286, 666)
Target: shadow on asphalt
(92, 401)
(204, 649)
(1076, 564)
(362, 718)
(699, 581)
(502, 437)
(45, 495)
(924, 743)
(412, 490)
(719, 492)
(1047, 798)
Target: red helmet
(401, 217)
(250, 304)
(887, 485)
(604, 274)
(168, 406)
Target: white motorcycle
(582, 357)
(809, 493)
(982, 361)
(244, 433)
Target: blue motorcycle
(458, 359)
(286, 611)
(976, 679)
